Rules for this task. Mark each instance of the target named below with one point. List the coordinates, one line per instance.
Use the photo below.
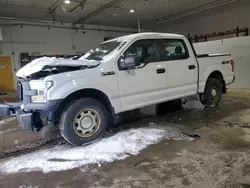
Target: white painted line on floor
(116, 147)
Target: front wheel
(83, 122)
(213, 92)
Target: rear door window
(172, 49)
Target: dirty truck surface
(195, 147)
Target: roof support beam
(59, 3)
(79, 5)
(194, 11)
(54, 4)
(98, 11)
(53, 8)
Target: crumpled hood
(38, 64)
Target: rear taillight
(232, 63)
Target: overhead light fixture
(132, 11)
(67, 1)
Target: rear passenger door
(182, 69)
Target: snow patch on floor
(116, 147)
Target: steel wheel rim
(86, 122)
(214, 92)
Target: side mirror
(130, 62)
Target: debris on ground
(139, 162)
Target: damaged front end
(30, 121)
(31, 116)
(34, 110)
(52, 70)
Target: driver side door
(145, 84)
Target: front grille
(20, 91)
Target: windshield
(103, 50)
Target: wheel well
(88, 93)
(218, 75)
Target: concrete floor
(219, 158)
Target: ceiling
(107, 12)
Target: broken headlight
(41, 87)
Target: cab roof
(147, 35)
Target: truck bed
(207, 64)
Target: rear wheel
(83, 122)
(213, 92)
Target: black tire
(209, 98)
(170, 106)
(67, 121)
(202, 100)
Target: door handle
(160, 71)
(190, 67)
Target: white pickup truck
(84, 96)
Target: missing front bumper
(9, 109)
(25, 121)
(28, 121)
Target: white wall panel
(240, 50)
(226, 17)
(49, 41)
